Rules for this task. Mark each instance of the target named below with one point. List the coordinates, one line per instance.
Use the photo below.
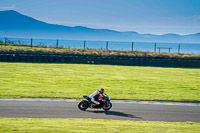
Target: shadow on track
(115, 113)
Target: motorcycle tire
(107, 107)
(83, 105)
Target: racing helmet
(101, 90)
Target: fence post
(132, 46)
(106, 45)
(57, 44)
(179, 48)
(5, 41)
(31, 42)
(84, 44)
(155, 48)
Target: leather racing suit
(96, 97)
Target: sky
(142, 16)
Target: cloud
(12, 7)
(194, 17)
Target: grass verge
(120, 82)
(13, 48)
(91, 125)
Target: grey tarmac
(119, 111)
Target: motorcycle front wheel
(106, 107)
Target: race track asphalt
(119, 111)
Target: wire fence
(105, 45)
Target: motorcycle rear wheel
(82, 105)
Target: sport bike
(105, 103)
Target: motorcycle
(105, 103)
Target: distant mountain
(14, 24)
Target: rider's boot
(92, 105)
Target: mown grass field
(120, 82)
(22, 125)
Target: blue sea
(193, 48)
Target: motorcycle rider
(96, 97)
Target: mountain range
(14, 24)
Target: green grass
(120, 82)
(22, 125)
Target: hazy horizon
(143, 16)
